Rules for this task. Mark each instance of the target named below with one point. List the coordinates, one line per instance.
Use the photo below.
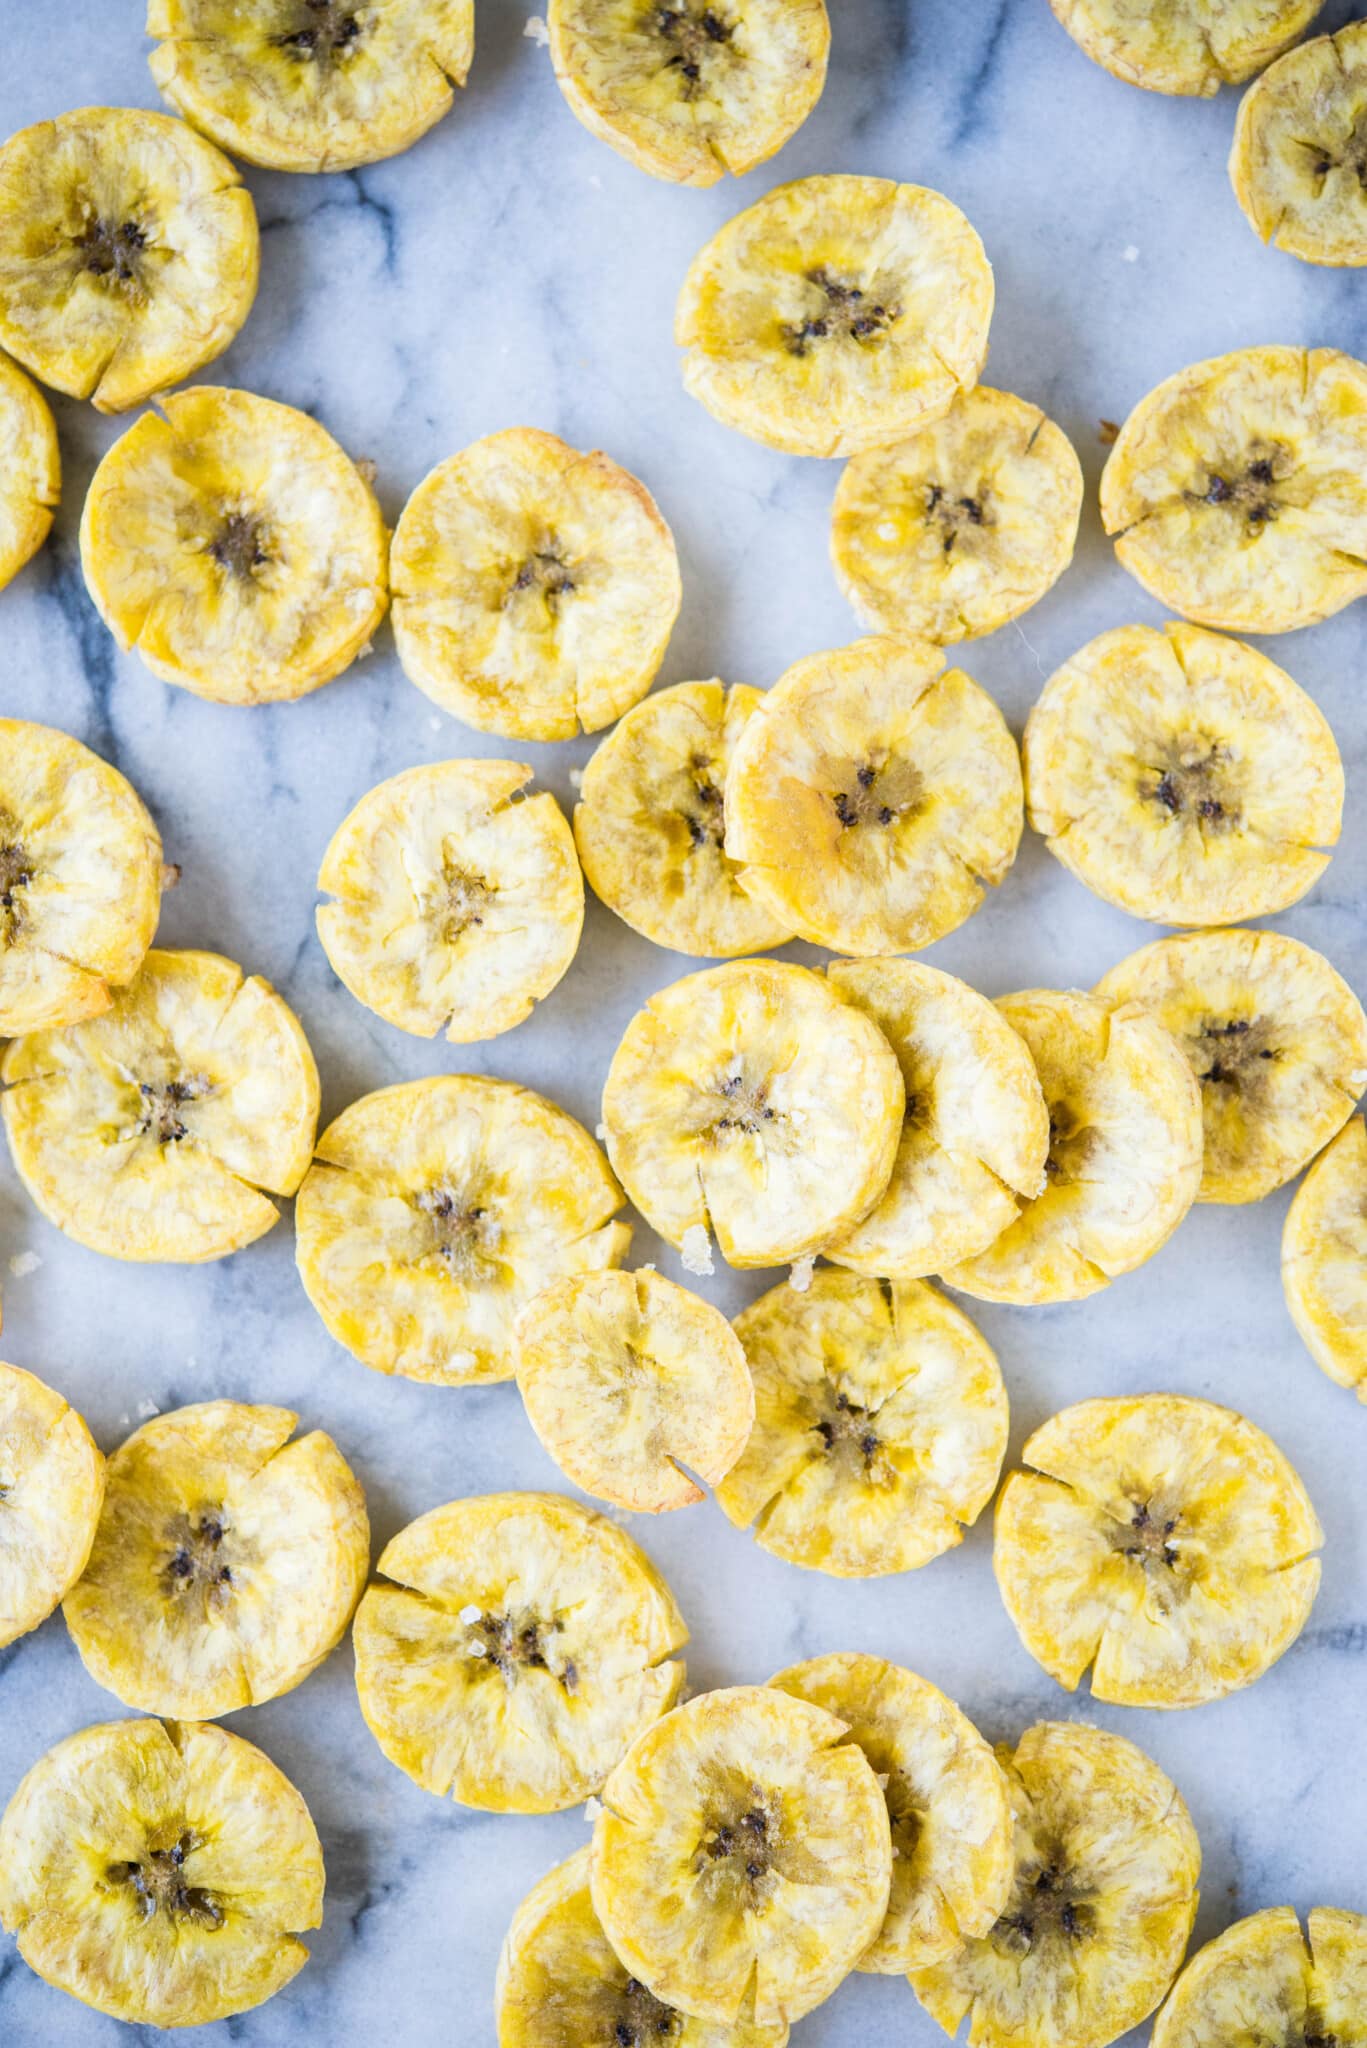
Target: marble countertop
(511, 270)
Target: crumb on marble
(800, 1278)
(695, 1253)
(536, 30)
(24, 1263)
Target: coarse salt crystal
(695, 1252)
(592, 1809)
(600, 1132)
(146, 1409)
(800, 1278)
(24, 1263)
(576, 778)
(1130, 253)
(469, 1614)
(536, 30)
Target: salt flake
(536, 30)
(592, 1809)
(695, 1252)
(469, 1615)
(1130, 253)
(147, 1409)
(24, 1263)
(576, 778)
(800, 1278)
(600, 1132)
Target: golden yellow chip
(311, 85)
(690, 90)
(975, 1136)
(235, 547)
(751, 1103)
(436, 1209)
(880, 1425)
(1124, 1160)
(1163, 1543)
(836, 314)
(742, 1861)
(560, 1985)
(1264, 1980)
(1237, 491)
(873, 797)
(1324, 1258)
(51, 1485)
(947, 1803)
(128, 253)
(80, 880)
(227, 1564)
(535, 588)
(150, 1132)
(1184, 46)
(1102, 1900)
(459, 900)
(30, 470)
(1300, 150)
(962, 527)
(161, 1873)
(651, 823)
(633, 1386)
(1275, 1037)
(512, 1649)
(1182, 776)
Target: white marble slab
(511, 269)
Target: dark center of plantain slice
(1147, 1535)
(461, 1228)
(324, 32)
(1235, 1053)
(546, 573)
(742, 1107)
(162, 1103)
(840, 311)
(239, 545)
(512, 1643)
(467, 899)
(197, 1559)
(1247, 486)
(848, 1433)
(1073, 1144)
(639, 2019)
(16, 873)
(693, 34)
(1324, 157)
(875, 792)
(158, 1884)
(1049, 1907)
(955, 517)
(112, 252)
(1193, 783)
(702, 807)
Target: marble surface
(511, 269)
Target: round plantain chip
(975, 1135)
(650, 825)
(947, 1801)
(1237, 491)
(633, 1385)
(742, 1861)
(1124, 1161)
(227, 1564)
(1275, 1037)
(1266, 1980)
(458, 899)
(691, 89)
(1324, 1258)
(961, 528)
(1191, 47)
(128, 253)
(150, 1132)
(160, 1872)
(512, 1649)
(559, 1984)
(30, 470)
(1102, 1900)
(80, 880)
(234, 547)
(750, 1102)
(1163, 1543)
(52, 1481)
(880, 1425)
(311, 85)
(873, 797)
(1182, 776)
(436, 1209)
(1299, 161)
(535, 588)
(836, 314)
